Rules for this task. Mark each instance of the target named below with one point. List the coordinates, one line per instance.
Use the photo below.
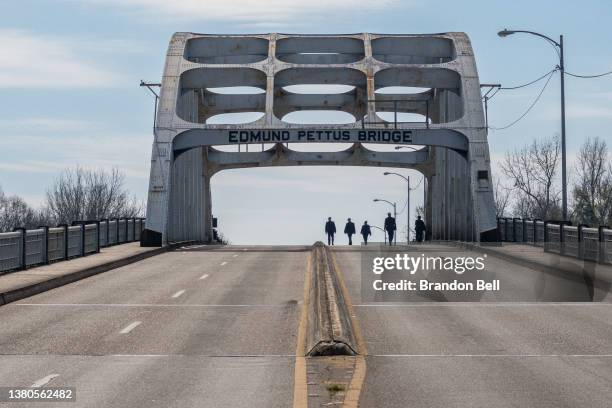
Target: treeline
(77, 194)
(533, 188)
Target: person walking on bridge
(365, 232)
(419, 227)
(330, 230)
(349, 229)
(390, 227)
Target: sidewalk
(535, 257)
(21, 284)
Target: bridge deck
(220, 327)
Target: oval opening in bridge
(413, 50)
(403, 117)
(234, 118)
(402, 90)
(319, 117)
(237, 90)
(313, 89)
(320, 50)
(226, 50)
(319, 147)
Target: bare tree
(532, 171)
(81, 194)
(15, 212)
(593, 188)
(502, 199)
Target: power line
(588, 76)
(529, 83)
(550, 75)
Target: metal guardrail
(582, 241)
(22, 248)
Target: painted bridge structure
(262, 71)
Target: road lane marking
(44, 381)
(203, 276)
(234, 256)
(223, 263)
(300, 376)
(290, 356)
(482, 304)
(130, 327)
(144, 305)
(490, 355)
(351, 399)
(179, 293)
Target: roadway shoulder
(22, 284)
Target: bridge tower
(453, 150)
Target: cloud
(248, 12)
(35, 61)
(46, 124)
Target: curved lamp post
(394, 212)
(407, 178)
(559, 45)
(383, 231)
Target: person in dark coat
(349, 229)
(330, 230)
(365, 232)
(419, 227)
(390, 227)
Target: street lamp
(394, 212)
(383, 231)
(559, 45)
(407, 178)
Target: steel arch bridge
(186, 153)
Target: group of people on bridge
(366, 231)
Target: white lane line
(156, 305)
(234, 256)
(130, 327)
(177, 294)
(223, 263)
(203, 276)
(483, 304)
(44, 381)
(489, 355)
(207, 355)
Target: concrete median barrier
(330, 331)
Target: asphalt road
(218, 328)
(504, 351)
(193, 328)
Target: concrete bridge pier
(190, 200)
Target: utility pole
(486, 98)
(561, 66)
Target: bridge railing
(582, 241)
(23, 248)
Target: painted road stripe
(177, 294)
(203, 276)
(234, 256)
(291, 356)
(300, 373)
(490, 355)
(223, 263)
(130, 327)
(142, 305)
(483, 304)
(44, 381)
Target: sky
(69, 93)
